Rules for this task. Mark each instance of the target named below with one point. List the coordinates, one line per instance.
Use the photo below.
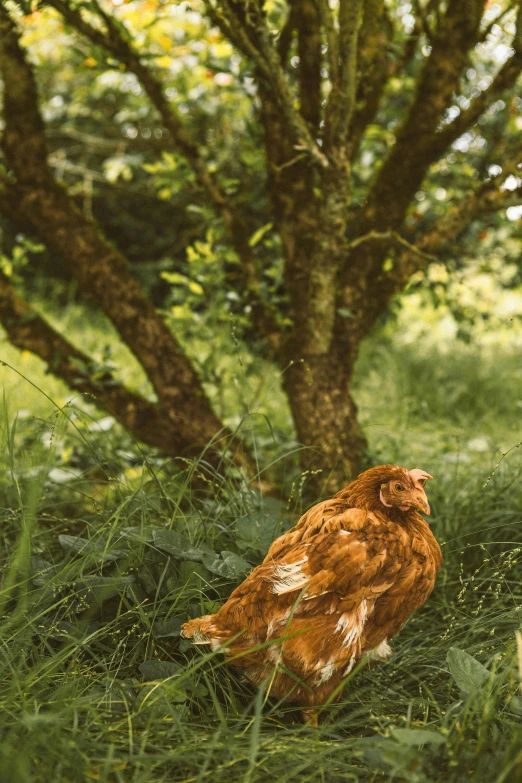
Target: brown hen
(334, 589)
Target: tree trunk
(325, 417)
(335, 288)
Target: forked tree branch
(490, 196)
(486, 198)
(246, 27)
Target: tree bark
(325, 416)
(27, 330)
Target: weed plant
(107, 549)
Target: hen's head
(390, 489)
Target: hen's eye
(399, 488)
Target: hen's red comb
(419, 475)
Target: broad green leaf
(77, 545)
(258, 235)
(159, 670)
(192, 573)
(174, 278)
(97, 589)
(417, 737)
(229, 565)
(196, 288)
(170, 627)
(468, 673)
(139, 533)
(179, 546)
(257, 531)
(515, 705)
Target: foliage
(107, 551)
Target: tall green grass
(106, 550)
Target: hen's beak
(420, 501)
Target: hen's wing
(325, 517)
(323, 589)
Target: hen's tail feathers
(197, 630)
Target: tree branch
(505, 78)
(309, 43)
(28, 331)
(407, 163)
(332, 43)
(114, 41)
(373, 69)
(390, 238)
(366, 305)
(246, 24)
(284, 42)
(486, 198)
(341, 100)
(497, 20)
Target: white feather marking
(214, 644)
(270, 629)
(325, 672)
(379, 653)
(198, 637)
(350, 666)
(289, 576)
(351, 624)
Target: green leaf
(515, 705)
(159, 670)
(97, 589)
(77, 545)
(196, 288)
(257, 531)
(418, 737)
(344, 312)
(170, 627)
(179, 546)
(192, 573)
(139, 533)
(467, 672)
(229, 565)
(174, 278)
(258, 235)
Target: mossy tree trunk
(334, 251)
